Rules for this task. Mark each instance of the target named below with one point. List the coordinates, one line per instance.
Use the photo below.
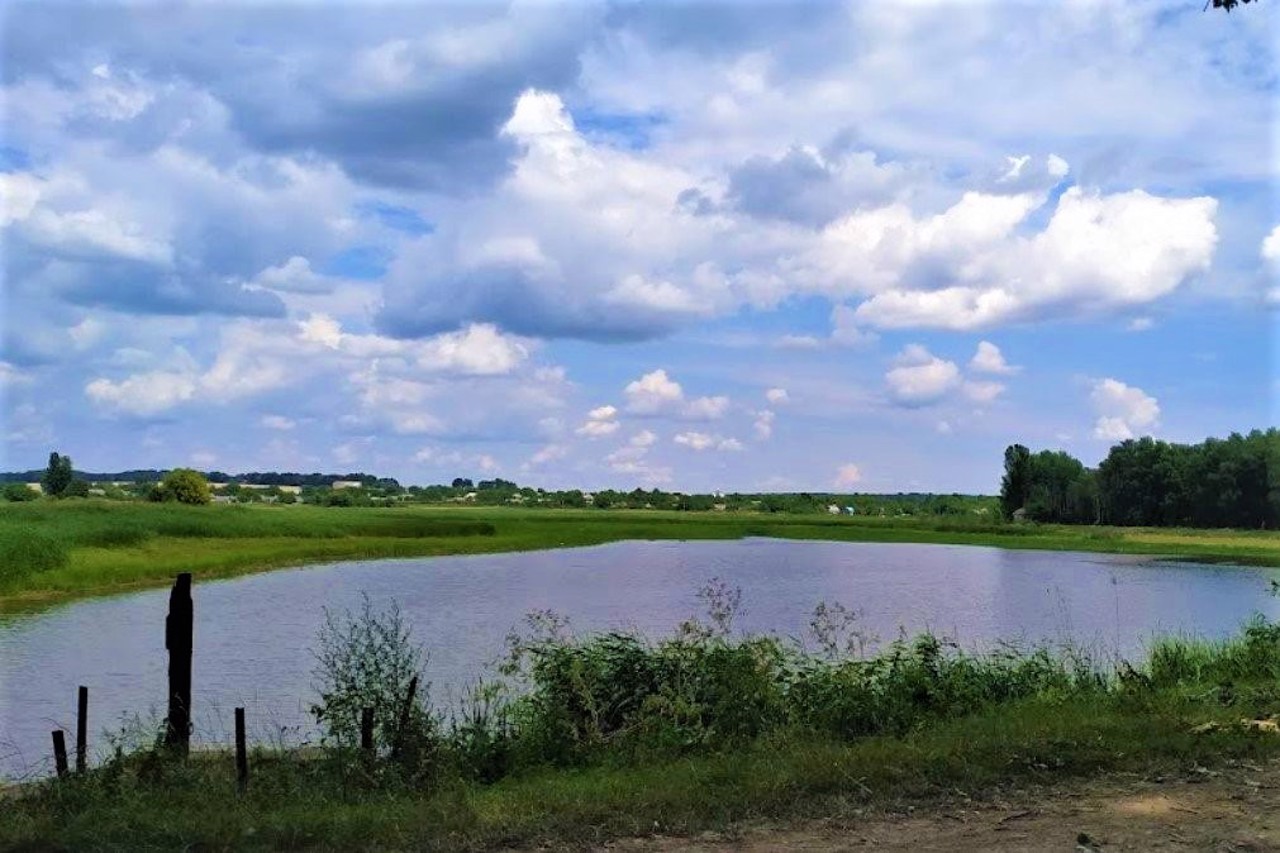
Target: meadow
(53, 550)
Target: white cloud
(1097, 253)
(983, 392)
(279, 422)
(656, 393)
(601, 421)
(847, 476)
(644, 438)
(921, 378)
(706, 408)
(1123, 410)
(776, 396)
(478, 350)
(293, 276)
(652, 393)
(1271, 246)
(701, 441)
(144, 393)
(989, 359)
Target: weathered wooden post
(406, 711)
(178, 635)
(60, 752)
(366, 729)
(82, 730)
(242, 756)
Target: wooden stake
(366, 729)
(406, 710)
(82, 730)
(60, 752)
(178, 636)
(242, 756)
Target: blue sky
(749, 246)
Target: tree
(1227, 4)
(461, 483)
(1015, 486)
(57, 476)
(186, 486)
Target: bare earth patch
(1230, 810)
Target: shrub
(186, 486)
(19, 492)
(367, 660)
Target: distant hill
(151, 475)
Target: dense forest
(1231, 482)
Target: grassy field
(56, 550)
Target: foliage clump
(183, 485)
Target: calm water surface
(254, 634)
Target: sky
(788, 246)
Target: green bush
(367, 660)
(19, 492)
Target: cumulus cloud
(1123, 410)
(278, 422)
(656, 393)
(1097, 253)
(921, 378)
(989, 359)
(601, 421)
(776, 396)
(653, 393)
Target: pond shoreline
(241, 540)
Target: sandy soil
(1234, 808)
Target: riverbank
(702, 733)
(51, 552)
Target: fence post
(60, 752)
(178, 631)
(242, 756)
(405, 711)
(82, 730)
(366, 729)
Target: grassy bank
(50, 551)
(615, 736)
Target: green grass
(52, 550)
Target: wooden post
(178, 635)
(82, 730)
(406, 710)
(242, 756)
(366, 729)
(60, 752)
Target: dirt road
(1232, 810)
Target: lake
(253, 634)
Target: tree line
(1230, 482)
